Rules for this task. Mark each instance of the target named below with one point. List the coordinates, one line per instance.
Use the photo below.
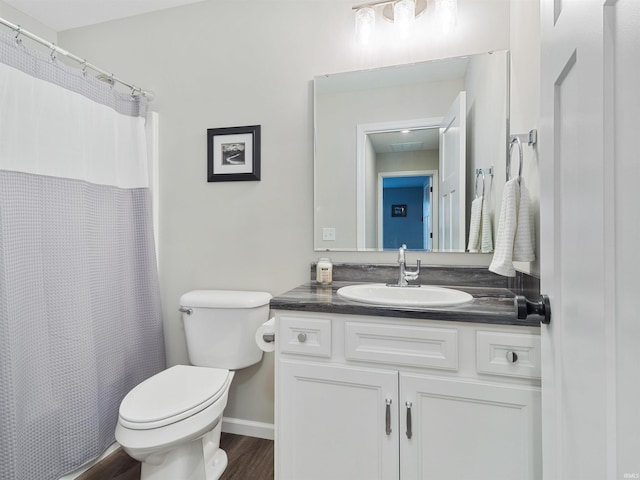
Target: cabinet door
(333, 423)
(469, 430)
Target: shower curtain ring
(53, 52)
(17, 39)
(84, 68)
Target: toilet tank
(220, 326)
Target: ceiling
(405, 141)
(62, 15)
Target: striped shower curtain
(80, 318)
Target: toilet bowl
(172, 421)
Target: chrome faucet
(405, 275)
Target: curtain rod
(104, 75)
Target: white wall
(28, 23)
(487, 107)
(525, 103)
(242, 62)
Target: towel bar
(530, 138)
(514, 140)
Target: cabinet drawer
(495, 351)
(306, 336)
(402, 345)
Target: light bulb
(365, 24)
(404, 15)
(447, 11)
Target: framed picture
(233, 154)
(399, 210)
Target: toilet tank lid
(224, 299)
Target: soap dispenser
(324, 271)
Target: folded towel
(486, 232)
(514, 241)
(474, 225)
(523, 245)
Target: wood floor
(249, 459)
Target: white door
(468, 429)
(333, 423)
(452, 176)
(590, 226)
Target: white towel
(474, 225)
(523, 245)
(502, 262)
(486, 233)
(514, 229)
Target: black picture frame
(233, 154)
(399, 210)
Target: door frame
(362, 130)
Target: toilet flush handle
(186, 310)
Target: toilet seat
(173, 395)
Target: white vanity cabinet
(365, 398)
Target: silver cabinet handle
(512, 357)
(387, 417)
(302, 337)
(186, 310)
(409, 432)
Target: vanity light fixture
(401, 13)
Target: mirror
(397, 149)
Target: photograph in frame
(233, 154)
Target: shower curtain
(80, 319)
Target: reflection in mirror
(402, 210)
(396, 149)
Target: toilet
(171, 422)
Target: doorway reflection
(406, 212)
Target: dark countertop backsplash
(451, 276)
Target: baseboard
(249, 428)
(75, 474)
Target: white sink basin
(423, 296)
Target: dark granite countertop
(490, 305)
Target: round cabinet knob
(302, 337)
(512, 357)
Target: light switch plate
(328, 233)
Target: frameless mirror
(397, 149)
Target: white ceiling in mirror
(405, 141)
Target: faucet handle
(417, 270)
(401, 251)
(412, 274)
